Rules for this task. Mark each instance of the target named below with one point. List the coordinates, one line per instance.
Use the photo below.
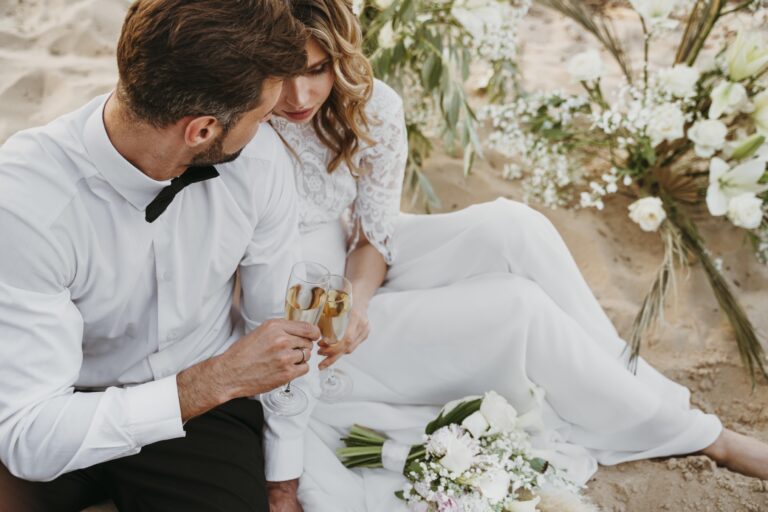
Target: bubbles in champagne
(304, 303)
(335, 319)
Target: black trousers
(218, 466)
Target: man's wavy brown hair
(204, 57)
(341, 122)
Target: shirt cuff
(153, 411)
(284, 458)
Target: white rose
(586, 66)
(746, 211)
(747, 55)
(667, 123)
(760, 115)
(679, 81)
(727, 98)
(493, 484)
(708, 136)
(522, 506)
(499, 414)
(459, 454)
(654, 12)
(648, 212)
(476, 424)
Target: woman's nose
(298, 93)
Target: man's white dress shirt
(93, 297)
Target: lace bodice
(372, 199)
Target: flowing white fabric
(487, 298)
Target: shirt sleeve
(382, 164)
(264, 271)
(46, 427)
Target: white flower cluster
(598, 189)
(548, 172)
(480, 465)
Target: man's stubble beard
(215, 154)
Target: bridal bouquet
(475, 457)
(682, 139)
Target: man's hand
(356, 333)
(283, 496)
(260, 361)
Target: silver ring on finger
(303, 356)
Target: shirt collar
(135, 186)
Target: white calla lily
(726, 183)
(747, 55)
(728, 97)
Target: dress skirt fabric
(489, 298)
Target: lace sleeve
(382, 165)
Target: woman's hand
(357, 332)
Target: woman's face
(303, 95)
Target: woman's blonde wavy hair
(341, 123)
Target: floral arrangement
(475, 457)
(681, 139)
(424, 49)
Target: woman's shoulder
(385, 102)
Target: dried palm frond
(652, 309)
(750, 350)
(681, 187)
(595, 23)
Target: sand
(57, 54)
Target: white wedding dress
(487, 298)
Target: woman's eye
(319, 70)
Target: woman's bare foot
(740, 453)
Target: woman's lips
(299, 115)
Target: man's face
(228, 145)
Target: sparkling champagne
(335, 318)
(304, 303)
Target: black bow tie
(164, 198)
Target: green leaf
(469, 159)
(454, 416)
(426, 187)
(453, 110)
(539, 464)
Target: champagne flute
(335, 384)
(304, 301)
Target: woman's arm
(366, 270)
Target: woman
(488, 298)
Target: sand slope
(57, 54)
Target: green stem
(713, 14)
(750, 349)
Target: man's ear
(201, 130)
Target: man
(122, 224)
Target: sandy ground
(57, 54)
